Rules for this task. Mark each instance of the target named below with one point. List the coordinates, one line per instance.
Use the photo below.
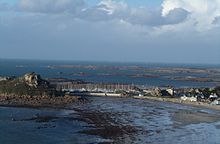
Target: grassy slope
(19, 87)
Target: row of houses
(185, 94)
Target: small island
(31, 90)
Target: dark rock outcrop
(31, 90)
(217, 89)
(31, 84)
(34, 80)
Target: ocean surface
(106, 119)
(106, 72)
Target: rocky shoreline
(39, 101)
(31, 90)
(66, 101)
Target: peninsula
(32, 91)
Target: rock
(170, 91)
(156, 92)
(34, 80)
(217, 89)
(4, 78)
(31, 84)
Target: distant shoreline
(184, 64)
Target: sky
(150, 31)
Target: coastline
(39, 101)
(65, 101)
(104, 119)
(179, 101)
(30, 90)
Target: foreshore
(39, 101)
(65, 101)
(179, 101)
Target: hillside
(31, 84)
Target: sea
(106, 119)
(104, 72)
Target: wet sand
(100, 124)
(127, 120)
(179, 101)
(105, 126)
(186, 117)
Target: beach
(110, 120)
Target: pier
(93, 86)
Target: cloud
(112, 10)
(217, 21)
(111, 7)
(144, 16)
(71, 29)
(51, 6)
(202, 12)
(105, 10)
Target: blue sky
(111, 30)
(9, 1)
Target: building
(215, 102)
(213, 96)
(191, 99)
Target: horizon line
(107, 61)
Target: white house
(213, 96)
(191, 99)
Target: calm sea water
(152, 119)
(20, 67)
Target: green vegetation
(207, 91)
(21, 87)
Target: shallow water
(153, 120)
(20, 67)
